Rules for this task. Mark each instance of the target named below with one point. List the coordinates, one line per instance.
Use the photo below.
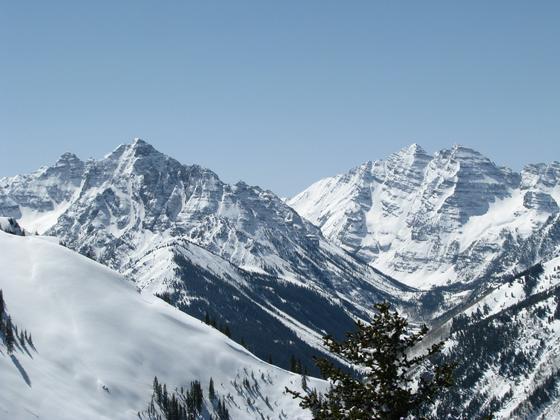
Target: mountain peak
(68, 159)
(142, 147)
(410, 156)
(460, 151)
(68, 156)
(411, 152)
(414, 149)
(137, 148)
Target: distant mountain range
(235, 254)
(450, 239)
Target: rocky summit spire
(414, 149)
(68, 159)
(410, 156)
(410, 161)
(140, 144)
(138, 147)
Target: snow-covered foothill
(99, 344)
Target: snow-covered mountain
(505, 340)
(239, 256)
(433, 220)
(97, 345)
(236, 252)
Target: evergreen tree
(383, 388)
(227, 332)
(164, 395)
(296, 366)
(2, 316)
(222, 411)
(198, 395)
(304, 382)
(211, 390)
(292, 363)
(157, 390)
(2, 306)
(10, 339)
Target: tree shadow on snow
(27, 351)
(22, 371)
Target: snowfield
(99, 343)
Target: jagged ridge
(178, 229)
(432, 220)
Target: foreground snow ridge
(99, 344)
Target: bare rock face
(538, 200)
(541, 175)
(10, 225)
(431, 220)
(42, 191)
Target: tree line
(11, 336)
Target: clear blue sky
(278, 93)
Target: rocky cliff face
(10, 225)
(44, 190)
(432, 220)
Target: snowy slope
(432, 220)
(99, 343)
